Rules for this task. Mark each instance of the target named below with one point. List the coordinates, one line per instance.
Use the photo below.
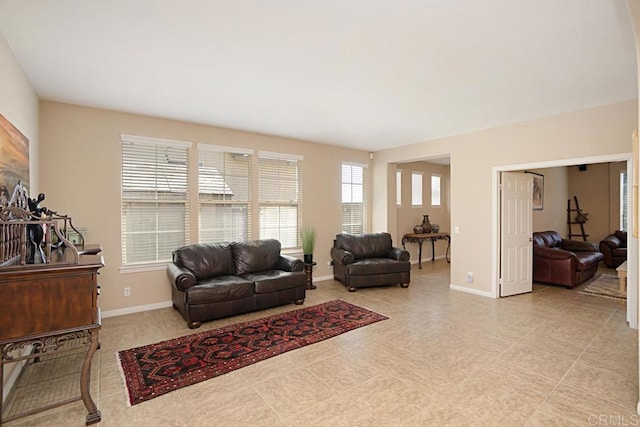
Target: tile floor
(552, 357)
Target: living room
(75, 159)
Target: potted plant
(308, 237)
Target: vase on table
(426, 225)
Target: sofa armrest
(341, 256)
(399, 254)
(182, 278)
(551, 253)
(578, 246)
(288, 263)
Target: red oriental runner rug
(153, 370)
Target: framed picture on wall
(14, 159)
(538, 191)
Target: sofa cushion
(205, 260)
(276, 280)
(374, 245)
(378, 266)
(550, 239)
(255, 256)
(220, 288)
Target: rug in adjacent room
(153, 370)
(605, 285)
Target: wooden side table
(308, 268)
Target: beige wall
(553, 215)
(407, 216)
(82, 148)
(597, 190)
(475, 158)
(19, 104)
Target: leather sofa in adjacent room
(561, 261)
(210, 281)
(366, 260)
(614, 249)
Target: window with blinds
(224, 193)
(398, 188)
(280, 186)
(155, 199)
(416, 188)
(353, 211)
(435, 190)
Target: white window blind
(280, 185)
(398, 188)
(416, 188)
(224, 190)
(353, 207)
(435, 190)
(154, 199)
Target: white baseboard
(322, 278)
(136, 309)
(415, 261)
(471, 291)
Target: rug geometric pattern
(605, 285)
(153, 370)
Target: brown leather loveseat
(561, 261)
(614, 249)
(366, 260)
(210, 281)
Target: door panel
(516, 231)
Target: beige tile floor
(551, 357)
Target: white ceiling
(367, 74)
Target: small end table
(308, 268)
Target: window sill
(143, 268)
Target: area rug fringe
(153, 370)
(123, 378)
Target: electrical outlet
(469, 277)
(329, 264)
(127, 291)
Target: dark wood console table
(49, 308)
(419, 238)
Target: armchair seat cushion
(274, 280)
(378, 266)
(220, 288)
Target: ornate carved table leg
(94, 415)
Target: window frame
(131, 203)
(439, 190)
(294, 202)
(354, 227)
(417, 192)
(226, 176)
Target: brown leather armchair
(367, 260)
(614, 249)
(561, 261)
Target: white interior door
(515, 234)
